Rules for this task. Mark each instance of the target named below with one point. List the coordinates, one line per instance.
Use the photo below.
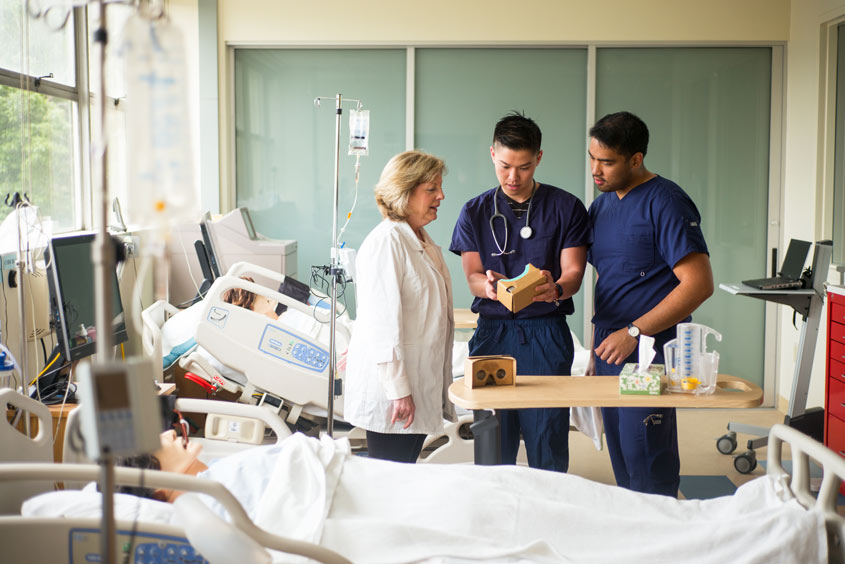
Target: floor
(698, 430)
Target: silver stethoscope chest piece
(525, 232)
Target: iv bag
(160, 164)
(359, 132)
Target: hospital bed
(245, 353)
(25, 472)
(247, 360)
(802, 526)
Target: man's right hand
(490, 285)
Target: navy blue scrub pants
(541, 346)
(642, 441)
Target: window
(284, 145)
(39, 117)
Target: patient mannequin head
(173, 456)
(249, 300)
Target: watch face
(634, 331)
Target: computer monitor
(233, 238)
(70, 275)
(210, 247)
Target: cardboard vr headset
(480, 371)
(518, 293)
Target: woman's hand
(402, 409)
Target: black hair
(623, 132)
(143, 462)
(518, 133)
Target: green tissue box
(632, 382)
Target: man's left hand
(617, 347)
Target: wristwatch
(558, 293)
(633, 331)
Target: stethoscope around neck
(526, 232)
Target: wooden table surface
(597, 391)
(465, 319)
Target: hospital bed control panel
(144, 548)
(291, 348)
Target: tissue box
(632, 382)
(518, 293)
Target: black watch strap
(558, 293)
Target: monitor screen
(70, 274)
(210, 250)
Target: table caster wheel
(746, 462)
(726, 444)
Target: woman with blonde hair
(400, 358)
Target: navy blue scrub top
(637, 241)
(559, 221)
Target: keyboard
(776, 283)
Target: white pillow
(88, 504)
(178, 332)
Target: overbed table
(583, 391)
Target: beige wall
(473, 21)
(806, 194)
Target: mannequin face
(265, 306)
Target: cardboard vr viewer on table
(480, 371)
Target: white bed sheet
(375, 511)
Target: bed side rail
(803, 449)
(153, 319)
(263, 414)
(171, 481)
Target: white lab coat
(402, 338)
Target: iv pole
(102, 256)
(335, 268)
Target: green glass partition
(462, 93)
(708, 112)
(285, 146)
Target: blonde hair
(400, 176)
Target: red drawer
(837, 312)
(836, 436)
(837, 333)
(837, 370)
(835, 440)
(837, 351)
(836, 398)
